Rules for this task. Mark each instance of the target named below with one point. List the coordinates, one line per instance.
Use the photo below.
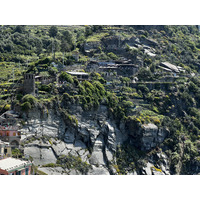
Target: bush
(112, 56)
(50, 165)
(145, 74)
(26, 106)
(73, 162)
(127, 104)
(46, 88)
(64, 76)
(7, 107)
(29, 98)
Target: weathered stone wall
(29, 84)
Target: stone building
(120, 69)
(29, 84)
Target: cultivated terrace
(103, 99)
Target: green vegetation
(96, 37)
(28, 102)
(73, 162)
(129, 159)
(152, 95)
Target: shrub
(145, 74)
(127, 104)
(7, 107)
(26, 106)
(46, 88)
(64, 76)
(73, 162)
(112, 56)
(29, 98)
(50, 165)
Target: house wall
(3, 172)
(11, 136)
(10, 133)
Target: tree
(64, 46)
(145, 74)
(67, 41)
(20, 28)
(39, 46)
(53, 31)
(88, 31)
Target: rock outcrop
(147, 136)
(94, 140)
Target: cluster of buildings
(9, 129)
(119, 68)
(9, 139)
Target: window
(5, 151)
(18, 173)
(26, 171)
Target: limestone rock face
(114, 135)
(94, 140)
(41, 156)
(97, 157)
(98, 171)
(147, 136)
(151, 135)
(51, 170)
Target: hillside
(104, 99)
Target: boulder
(147, 136)
(41, 156)
(69, 136)
(151, 135)
(60, 148)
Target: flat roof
(109, 67)
(77, 73)
(170, 66)
(124, 64)
(10, 164)
(166, 69)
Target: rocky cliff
(48, 138)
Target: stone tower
(29, 84)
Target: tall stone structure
(29, 84)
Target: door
(26, 171)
